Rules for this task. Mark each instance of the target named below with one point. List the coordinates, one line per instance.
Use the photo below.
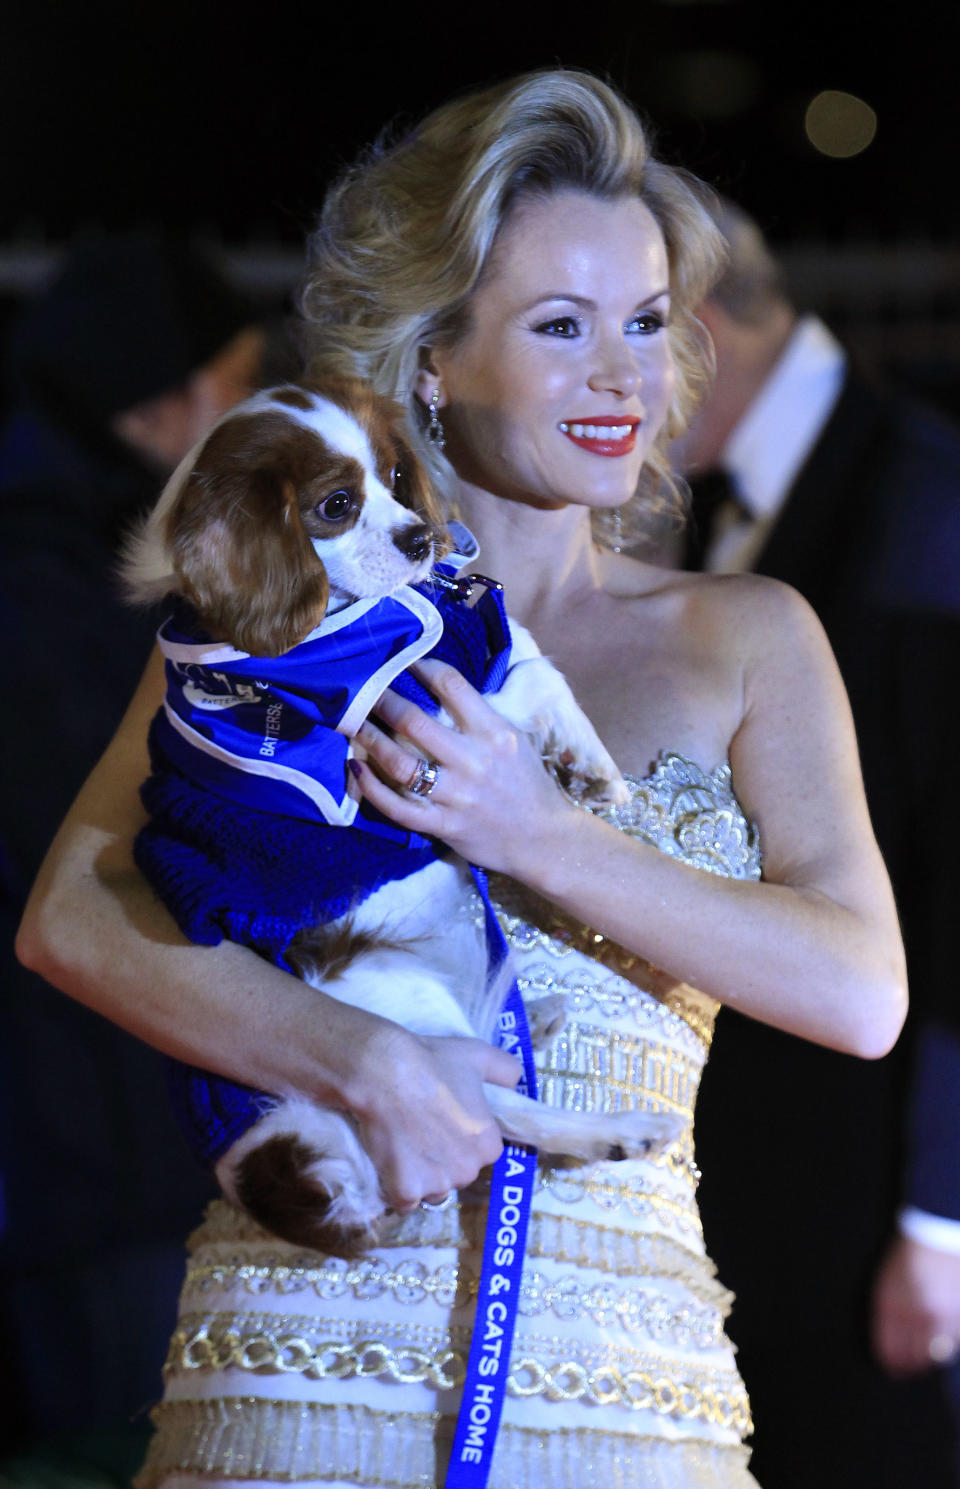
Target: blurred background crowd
(161, 168)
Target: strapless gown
(289, 1366)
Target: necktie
(712, 494)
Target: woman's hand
(492, 794)
(421, 1106)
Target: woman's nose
(615, 370)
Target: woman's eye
(561, 325)
(334, 508)
(647, 322)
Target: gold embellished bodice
(289, 1365)
(692, 814)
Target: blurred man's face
(698, 448)
(163, 429)
(227, 379)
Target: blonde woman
(521, 273)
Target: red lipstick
(605, 435)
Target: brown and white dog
(299, 502)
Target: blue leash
(498, 1296)
(513, 1177)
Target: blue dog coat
(252, 836)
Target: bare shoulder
(749, 600)
(772, 635)
(745, 615)
(762, 621)
(628, 576)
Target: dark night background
(227, 122)
(216, 115)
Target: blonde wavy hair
(407, 232)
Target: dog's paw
(546, 1017)
(538, 700)
(609, 789)
(639, 1134)
(593, 1137)
(573, 749)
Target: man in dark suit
(112, 372)
(850, 493)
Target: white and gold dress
(289, 1366)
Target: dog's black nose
(414, 542)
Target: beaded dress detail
(290, 1366)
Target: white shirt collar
(769, 445)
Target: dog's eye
(334, 508)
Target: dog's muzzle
(414, 542)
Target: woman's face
(562, 382)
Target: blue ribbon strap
(512, 1185)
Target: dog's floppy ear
(237, 541)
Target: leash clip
(463, 588)
(495, 584)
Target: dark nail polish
(354, 768)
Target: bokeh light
(839, 124)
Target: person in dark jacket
(805, 468)
(112, 373)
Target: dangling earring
(617, 530)
(435, 435)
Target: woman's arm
(814, 948)
(94, 928)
